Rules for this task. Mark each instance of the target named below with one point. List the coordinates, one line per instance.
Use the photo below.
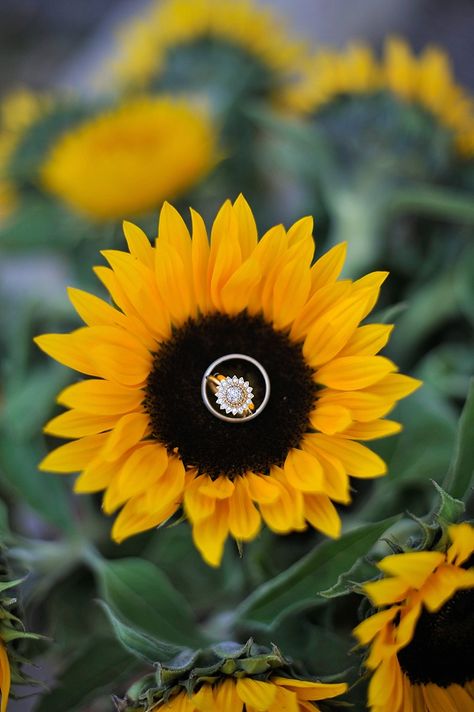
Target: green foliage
(296, 588)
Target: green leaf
(100, 667)
(460, 475)
(144, 597)
(295, 589)
(449, 509)
(139, 644)
(350, 581)
(45, 493)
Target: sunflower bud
(227, 676)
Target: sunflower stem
(432, 201)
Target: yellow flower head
(233, 678)
(421, 639)
(426, 81)
(128, 160)
(147, 43)
(232, 378)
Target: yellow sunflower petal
(134, 518)
(349, 373)
(307, 690)
(328, 267)
(140, 471)
(461, 698)
(329, 418)
(130, 429)
(412, 567)
(210, 534)
(74, 456)
(358, 460)
(293, 279)
(462, 537)
(367, 340)
(247, 228)
(220, 488)
(257, 694)
(138, 244)
(321, 302)
(197, 504)
(322, 514)
(203, 700)
(285, 513)
(361, 405)
(370, 627)
(261, 488)
(438, 699)
(372, 430)
(234, 294)
(74, 424)
(394, 386)
(226, 696)
(5, 680)
(286, 701)
(99, 397)
(200, 262)
(174, 283)
(386, 591)
(96, 476)
(331, 332)
(303, 471)
(244, 518)
(65, 348)
(440, 587)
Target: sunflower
(150, 45)
(5, 677)
(129, 159)
(426, 81)
(18, 112)
(421, 641)
(231, 377)
(233, 678)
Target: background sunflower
(376, 147)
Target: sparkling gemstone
(234, 395)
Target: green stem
(433, 201)
(460, 475)
(359, 223)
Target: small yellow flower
(426, 81)
(196, 326)
(421, 640)
(147, 43)
(128, 160)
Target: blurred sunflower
(233, 678)
(18, 112)
(160, 40)
(129, 159)
(274, 422)
(421, 642)
(426, 82)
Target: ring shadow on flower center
(442, 648)
(181, 421)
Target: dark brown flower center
(442, 648)
(181, 421)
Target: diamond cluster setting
(234, 395)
